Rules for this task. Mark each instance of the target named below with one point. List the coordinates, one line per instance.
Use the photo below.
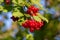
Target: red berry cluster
(14, 18)
(32, 10)
(33, 25)
(7, 2)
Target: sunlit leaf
(29, 37)
(14, 1)
(36, 18)
(27, 15)
(20, 21)
(1, 8)
(37, 2)
(5, 11)
(17, 14)
(18, 1)
(1, 1)
(42, 17)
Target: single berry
(25, 25)
(31, 29)
(7, 2)
(17, 18)
(13, 18)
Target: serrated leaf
(36, 18)
(17, 14)
(42, 17)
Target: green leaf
(20, 21)
(27, 15)
(1, 1)
(37, 2)
(36, 18)
(18, 1)
(17, 14)
(1, 8)
(5, 11)
(14, 1)
(43, 18)
(29, 37)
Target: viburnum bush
(25, 12)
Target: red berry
(33, 25)
(41, 24)
(37, 28)
(31, 29)
(7, 2)
(38, 25)
(32, 10)
(25, 25)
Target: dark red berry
(17, 18)
(14, 18)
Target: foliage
(19, 16)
